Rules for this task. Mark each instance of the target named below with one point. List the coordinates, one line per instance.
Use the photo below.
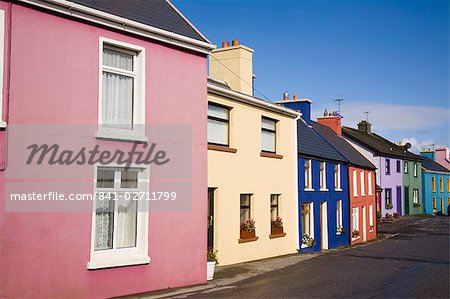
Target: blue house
(435, 184)
(322, 186)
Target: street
(413, 264)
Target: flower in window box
(308, 241)
(371, 228)
(355, 234)
(340, 230)
(277, 226)
(248, 229)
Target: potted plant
(355, 234)
(371, 228)
(388, 218)
(416, 205)
(211, 261)
(396, 215)
(248, 229)
(307, 241)
(277, 226)
(340, 230)
(389, 206)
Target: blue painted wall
(428, 194)
(331, 197)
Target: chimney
(234, 65)
(331, 120)
(365, 126)
(302, 105)
(428, 153)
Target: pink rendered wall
(54, 79)
(443, 156)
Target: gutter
(243, 98)
(122, 24)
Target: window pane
(268, 124)
(117, 101)
(117, 59)
(129, 179)
(245, 207)
(217, 132)
(268, 141)
(126, 223)
(104, 221)
(105, 178)
(217, 111)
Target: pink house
(443, 156)
(106, 76)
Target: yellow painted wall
(247, 172)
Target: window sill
(322, 189)
(338, 234)
(354, 239)
(306, 246)
(271, 236)
(338, 189)
(271, 155)
(308, 189)
(121, 137)
(2, 124)
(123, 261)
(247, 240)
(221, 148)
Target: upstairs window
(441, 184)
(399, 166)
(363, 187)
(323, 176)
(448, 185)
(268, 135)
(122, 97)
(433, 183)
(355, 183)
(369, 183)
(337, 176)
(218, 124)
(406, 167)
(387, 168)
(308, 174)
(415, 170)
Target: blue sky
(387, 57)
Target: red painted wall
(360, 201)
(54, 80)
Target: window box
(247, 234)
(276, 230)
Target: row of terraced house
(225, 170)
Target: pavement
(411, 259)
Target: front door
(407, 200)
(211, 218)
(399, 200)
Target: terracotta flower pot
(247, 235)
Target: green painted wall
(411, 182)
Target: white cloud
(418, 146)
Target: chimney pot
(235, 42)
(285, 96)
(225, 44)
(365, 126)
(295, 98)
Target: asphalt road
(413, 264)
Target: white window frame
(274, 132)
(2, 64)
(369, 183)
(415, 195)
(311, 222)
(371, 223)
(338, 215)
(123, 256)
(337, 177)
(139, 96)
(405, 168)
(355, 183)
(355, 224)
(415, 170)
(323, 176)
(363, 183)
(308, 176)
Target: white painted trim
(2, 64)
(243, 98)
(139, 95)
(112, 21)
(324, 232)
(124, 256)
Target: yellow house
(252, 164)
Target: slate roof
(345, 148)
(310, 143)
(431, 165)
(156, 13)
(379, 145)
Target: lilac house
(388, 158)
